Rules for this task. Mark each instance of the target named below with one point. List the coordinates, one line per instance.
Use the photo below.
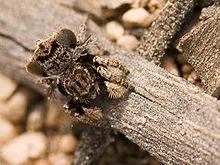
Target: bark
(90, 147)
(161, 33)
(170, 118)
(201, 47)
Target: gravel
(15, 108)
(114, 30)
(7, 130)
(23, 148)
(67, 143)
(7, 87)
(137, 17)
(128, 42)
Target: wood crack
(16, 42)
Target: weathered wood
(204, 3)
(167, 116)
(160, 34)
(201, 49)
(90, 147)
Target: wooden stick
(161, 33)
(200, 48)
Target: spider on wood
(64, 63)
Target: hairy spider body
(80, 83)
(74, 77)
(64, 63)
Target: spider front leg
(82, 30)
(108, 62)
(115, 91)
(91, 116)
(104, 72)
(52, 81)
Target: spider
(63, 62)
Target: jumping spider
(64, 63)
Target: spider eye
(34, 68)
(67, 38)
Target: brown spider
(64, 63)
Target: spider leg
(68, 106)
(93, 113)
(91, 116)
(43, 80)
(100, 48)
(82, 30)
(50, 91)
(52, 81)
(108, 62)
(114, 78)
(115, 91)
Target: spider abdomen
(80, 83)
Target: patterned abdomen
(80, 83)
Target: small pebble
(192, 77)
(186, 76)
(60, 159)
(154, 5)
(114, 30)
(139, 3)
(180, 59)
(7, 87)
(186, 68)
(36, 117)
(67, 143)
(169, 64)
(137, 17)
(128, 42)
(15, 108)
(27, 146)
(114, 4)
(7, 130)
(42, 162)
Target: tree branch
(160, 34)
(201, 46)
